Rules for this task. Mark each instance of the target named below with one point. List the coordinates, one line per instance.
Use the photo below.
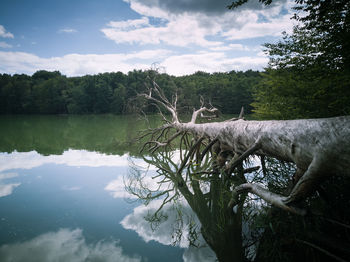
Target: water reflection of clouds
(28, 160)
(64, 245)
(117, 186)
(163, 234)
(7, 189)
(71, 188)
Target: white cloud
(7, 189)
(180, 31)
(67, 30)
(76, 64)
(4, 33)
(211, 62)
(190, 22)
(64, 245)
(5, 45)
(231, 47)
(130, 24)
(252, 28)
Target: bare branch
(235, 161)
(189, 154)
(161, 100)
(270, 197)
(155, 144)
(200, 111)
(241, 114)
(208, 147)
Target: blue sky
(79, 37)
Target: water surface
(62, 194)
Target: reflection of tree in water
(164, 231)
(211, 170)
(252, 229)
(49, 135)
(194, 172)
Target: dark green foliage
(226, 91)
(309, 74)
(52, 93)
(289, 93)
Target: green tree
(103, 96)
(312, 74)
(49, 95)
(118, 102)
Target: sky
(80, 37)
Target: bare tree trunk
(318, 147)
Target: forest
(276, 93)
(53, 93)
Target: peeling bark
(321, 147)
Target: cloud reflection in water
(63, 245)
(163, 234)
(7, 189)
(29, 160)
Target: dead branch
(268, 196)
(236, 161)
(155, 144)
(189, 155)
(208, 147)
(200, 111)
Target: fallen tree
(211, 173)
(319, 147)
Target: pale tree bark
(214, 153)
(318, 147)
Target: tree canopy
(53, 93)
(309, 70)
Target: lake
(62, 195)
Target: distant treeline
(53, 93)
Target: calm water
(62, 194)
